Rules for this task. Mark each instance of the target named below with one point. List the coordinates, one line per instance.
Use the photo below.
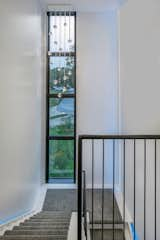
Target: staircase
(46, 225)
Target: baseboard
(128, 232)
(60, 186)
(72, 232)
(99, 186)
(15, 221)
(120, 202)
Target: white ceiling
(87, 5)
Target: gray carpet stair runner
(43, 226)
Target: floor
(107, 235)
(66, 200)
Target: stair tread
(105, 222)
(50, 217)
(45, 224)
(49, 222)
(52, 214)
(41, 227)
(35, 237)
(108, 234)
(47, 219)
(26, 231)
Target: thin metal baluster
(124, 187)
(134, 189)
(80, 189)
(103, 193)
(92, 185)
(145, 189)
(113, 189)
(155, 189)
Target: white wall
(20, 106)
(140, 66)
(96, 72)
(97, 84)
(139, 28)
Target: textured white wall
(20, 106)
(139, 101)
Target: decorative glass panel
(62, 33)
(62, 75)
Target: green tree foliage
(61, 158)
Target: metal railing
(84, 205)
(133, 160)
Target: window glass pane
(61, 117)
(62, 72)
(61, 158)
(62, 33)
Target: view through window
(61, 97)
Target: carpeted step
(37, 232)
(35, 237)
(46, 227)
(54, 221)
(105, 221)
(49, 217)
(50, 224)
(107, 234)
(50, 213)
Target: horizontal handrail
(142, 137)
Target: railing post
(155, 210)
(84, 204)
(134, 200)
(79, 223)
(124, 187)
(113, 189)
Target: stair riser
(34, 224)
(50, 214)
(30, 232)
(42, 227)
(49, 217)
(48, 220)
(107, 234)
(52, 237)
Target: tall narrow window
(61, 97)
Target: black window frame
(48, 95)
